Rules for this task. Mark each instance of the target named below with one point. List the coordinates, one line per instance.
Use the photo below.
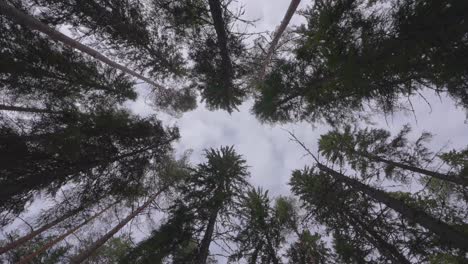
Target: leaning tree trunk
(20, 241)
(279, 32)
(27, 109)
(22, 18)
(13, 189)
(386, 249)
(101, 241)
(446, 232)
(30, 257)
(450, 178)
(207, 237)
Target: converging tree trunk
(48, 245)
(22, 18)
(279, 32)
(101, 241)
(386, 249)
(204, 248)
(20, 241)
(217, 15)
(450, 178)
(27, 109)
(446, 233)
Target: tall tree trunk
(82, 256)
(35, 24)
(20, 241)
(48, 245)
(279, 32)
(220, 28)
(27, 109)
(271, 250)
(440, 176)
(446, 232)
(204, 249)
(14, 189)
(386, 249)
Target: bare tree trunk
(279, 32)
(22, 18)
(220, 28)
(27, 109)
(18, 242)
(48, 245)
(207, 237)
(82, 256)
(446, 232)
(450, 178)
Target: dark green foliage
(374, 152)
(350, 55)
(260, 232)
(308, 249)
(111, 252)
(171, 238)
(216, 52)
(361, 227)
(37, 72)
(123, 26)
(108, 151)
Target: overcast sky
(268, 150)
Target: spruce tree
(348, 57)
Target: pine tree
(23, 18)
(81, 148)
(449, 235)
(260, 232)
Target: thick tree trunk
(30, 257)
(27, 109)
(204, 249)
(20, 241)
(220, 28)
(82, 256)
(35, 24)
(279, 32)
(440, 176)
(446, 233)
(386, 249)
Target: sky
(268, 149)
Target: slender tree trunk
(386, 249)
(220, 28)
(30, 257)
(207, 237)
(27, 109)
(22, 18)
(254, 256)
(20, 241)
(82, 256)
(440, 176)
(446, 232)
(271, 251)
(279, 32)
(14, 189)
